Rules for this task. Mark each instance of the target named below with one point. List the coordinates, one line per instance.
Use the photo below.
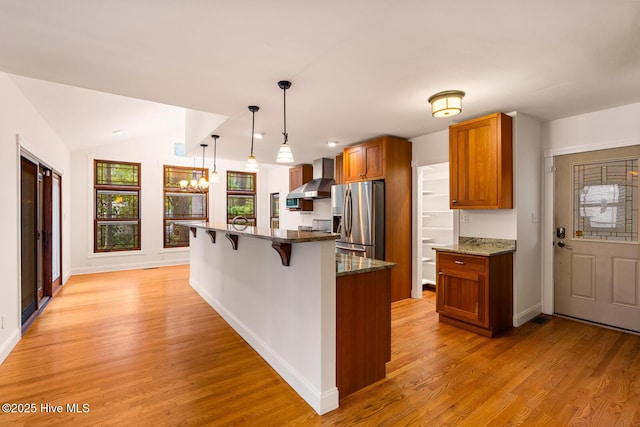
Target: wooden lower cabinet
(475, 292)
(363, 329)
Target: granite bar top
(480, 246)
(349, 264)
(275, 235)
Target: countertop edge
(474, 251)
(293, 236)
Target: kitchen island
(277, 289)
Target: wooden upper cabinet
(481, 163)
(364, 161)
(299, 175)
(339, 169)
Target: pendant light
(284, 153)
(252, 164)
(203, 184)
(447, 103)
(196, 184)
(214, 175)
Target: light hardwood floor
(142, 348)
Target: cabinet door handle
(454, 201)
(440, 273)
(460, 262)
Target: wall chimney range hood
(320, 186)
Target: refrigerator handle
(347, 212)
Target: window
(605, 200)
(182, 207)
(241, 196)
(275, 210)
(117, 209)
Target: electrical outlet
(464, 217)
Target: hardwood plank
(141, 347)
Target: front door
(597, 253)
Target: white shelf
(437, 245)
(436, 225)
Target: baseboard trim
(128, 266)
(8, 345)
(523, 317)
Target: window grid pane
(117, 235)
(241, 182)
(185, 205)
(174, 174)
(605, 200)
(117, 173)
(116, 204)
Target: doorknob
(564, 245)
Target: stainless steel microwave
(293, 203)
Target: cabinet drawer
(461, 262)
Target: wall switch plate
(2, 322)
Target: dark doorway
(40, 237)
(29, 236)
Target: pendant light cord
(203, 148)
(215, 146)
(253, 122)
(286, 135)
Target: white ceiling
(359, 69)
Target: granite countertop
(480, 246)
(276, 235)
(349, 264)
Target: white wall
(18, 117)
(430, 149)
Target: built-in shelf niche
(438, 225)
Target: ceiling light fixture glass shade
(447, 103)
(214, 175)
(252, 163)
(284, 153)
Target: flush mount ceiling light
(447, 103)
(252, 164)
(214, 174)
(284, 153)
(332, 143)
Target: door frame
(548, 230)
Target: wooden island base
(363, 329)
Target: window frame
(116, 188)
(178, 190)
(254, 194)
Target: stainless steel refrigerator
(358, 216)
